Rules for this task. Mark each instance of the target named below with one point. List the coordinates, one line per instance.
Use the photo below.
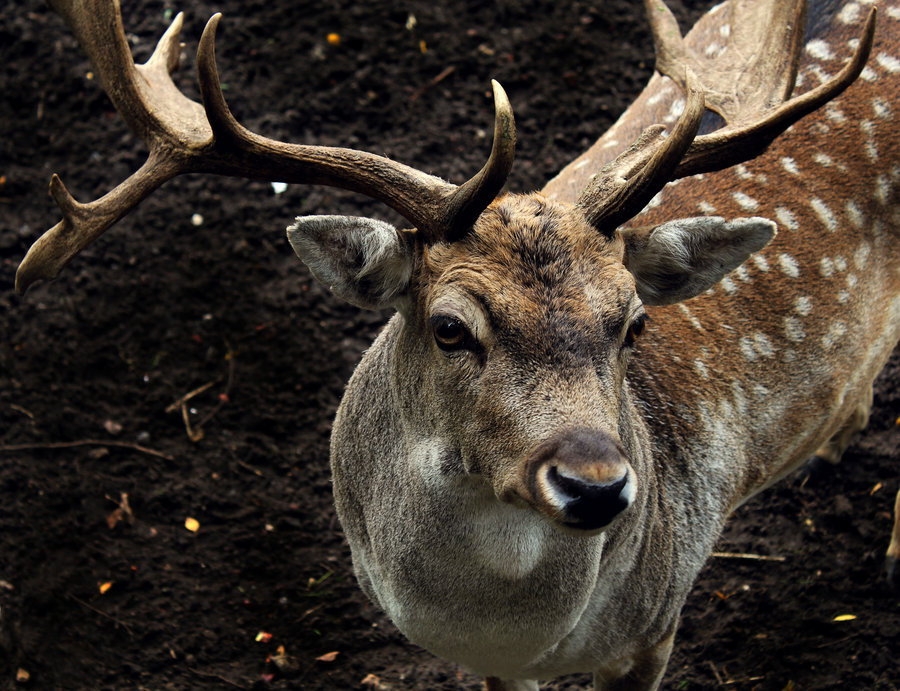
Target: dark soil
(160, 307)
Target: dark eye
(635, 330)
(450, 333)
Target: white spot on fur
(790, 165)
(893, 12)
(835, 332)
(706, 208)
(761, 263)
(824, 213)
(756, 346)
(861, 256)
(581, 164)
(742, 172)
(854, 214)
(728, 286)
(793, 329)
(849, 13)
(852, 280)
(819, 49)
(882, 109)
(843, 296)
(888, 62)
(786, 218)
(788, 265)
(675, 110)
(701, 368)
(882, 189)
(763, 345)
(691, 318)
(661, 95)
(823, 159)
(868, 74)
(835, 114)
(742, 273)
(746, 202)
(816, 71)
(868, 128)
(803, 306)
(826, 267)
(747, 349)
(840, 263)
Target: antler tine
(439, 210)
(419, 197)
(473, 197)
(742, 141)
(184, 136)
(625, 186)
(749, 85)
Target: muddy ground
(91, 365)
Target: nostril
(590, 505)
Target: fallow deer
(535, 457)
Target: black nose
(581, 478)
(590, 505)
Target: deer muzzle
(581, 479)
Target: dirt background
(160, 307)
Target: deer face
(526, 325)
(517, 337)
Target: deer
(578, 386)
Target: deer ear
(361, 260)
(680, 259)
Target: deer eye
(450, 333)
(635, 329)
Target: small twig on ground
(434, 82)
(189, 395)
(118, 622)
(88, 442)
(19, 409)
(213, 675)
(715, 673)
(223, 397)
(194, 435)
(195, 432)
(737, 555)
(839, 640)
(745, 680)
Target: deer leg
(832, 450)
(495, 684)
(893, 550)
(644, 673)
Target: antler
(749, 85)
(186, 137)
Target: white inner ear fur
(680, 259)
(361, 260)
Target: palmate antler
(186, 137)
(749, 85)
